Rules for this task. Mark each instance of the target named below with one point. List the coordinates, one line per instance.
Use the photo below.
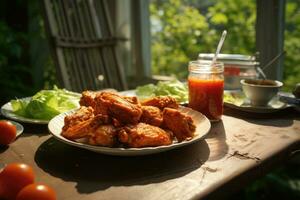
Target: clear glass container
(206, 88)
(236, 68)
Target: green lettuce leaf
(234, 98)
(146, 91)
(46, 104)
(173, 88)
(19, 106)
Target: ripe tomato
(13, 178)
(8, 132)
(36, 192)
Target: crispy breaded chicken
(133, 100)
(151, 115)
(82, 114)
(180, 124)
(144, 135)
(161, 102)
(85, 127)
(103, 135)
(88, 98)
(112, 120)
(118, 107)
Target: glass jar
(206, 88)
(236, 68)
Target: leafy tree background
(25, 63)
(184, 28)
(292, 44)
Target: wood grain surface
(237, 150)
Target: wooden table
(236, 151)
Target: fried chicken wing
(83, 114)
(151, 115)
(144, 135)
(85, 127)
(118, 107)
(103, 135)
(133, 100)
(161, 102)
(180, 124)
(109, 119)
(88, 98)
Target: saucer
(237, 100)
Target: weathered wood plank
(237, 150)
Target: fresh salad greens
(46, 104)
(235, 98)
(173, 88)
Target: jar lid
(206, 66)
(236, 59)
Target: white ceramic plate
(240, 102)
(203, 126)
(19, 127)
(7, 111)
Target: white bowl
(260, 91)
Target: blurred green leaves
(14, 75)
(292, 45)
(282, 183)
(219, 18)
(182, 29)
(25, 65)
(177, 34)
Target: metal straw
(219, 47)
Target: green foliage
(176, 36)
(41, 63)
(182, 29)
(14, 76)
(25, 64)
(292, 45)
(282, 183)
(238, 18)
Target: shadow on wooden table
(216, 140)
(93, 171)
(36, 129)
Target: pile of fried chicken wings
(112, 120)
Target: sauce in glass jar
(206, 88)
(236, 68)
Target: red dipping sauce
(206, 88)
(206, 96)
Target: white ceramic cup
(260, 91)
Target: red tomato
(8, 132)
(36, 192)
(13, 178)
